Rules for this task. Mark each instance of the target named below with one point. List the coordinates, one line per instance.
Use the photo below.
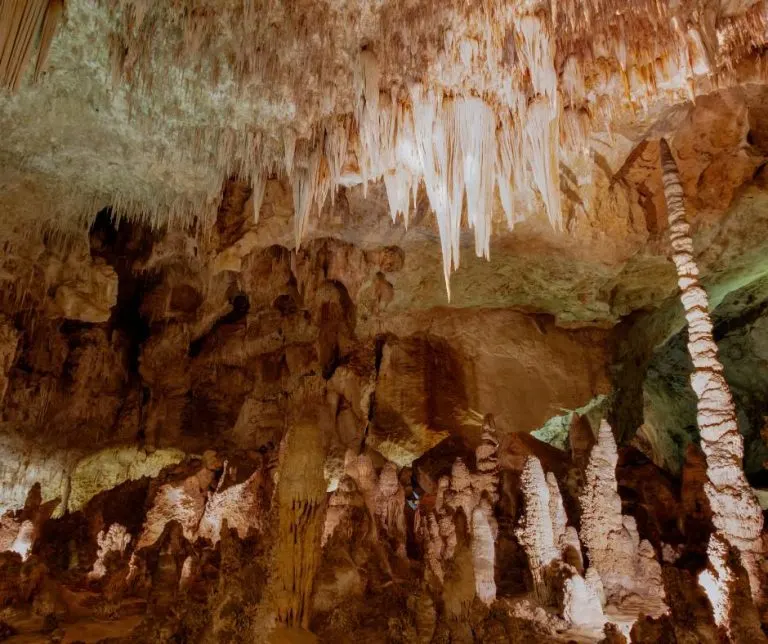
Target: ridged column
(736, 514)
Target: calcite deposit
(626, 564)
(398, 321)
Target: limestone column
(736, 514)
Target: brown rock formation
(113, 540)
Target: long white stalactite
(736, 514)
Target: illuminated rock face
(736, 514)
(537, 529)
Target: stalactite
(541, 148)
(20, 23)
(736, 514)
(475, 125)
(305, 175)
(9, 338)
(259, 183)
(53, 16)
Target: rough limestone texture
(736, 514)
(627, 566)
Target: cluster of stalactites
(461, 148)
(474, 494)
(22, 24)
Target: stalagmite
(301, 498)
(736, 514)
(473, 495)
(115, 539)
(626, 564)
(486, 479)
(535, 532)
(716, 580)
(341, 506)
(483, 556)
(547, 540)
(381, 495)
(390, 509)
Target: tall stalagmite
(626, 564)
(301, 497)
(736, 514)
